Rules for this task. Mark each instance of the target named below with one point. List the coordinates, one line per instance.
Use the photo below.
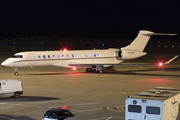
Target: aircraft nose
(5, 63)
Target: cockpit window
(17, 56)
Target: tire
(100, 71)
(16, 73)
(88, 69)
(16, 95)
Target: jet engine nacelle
(129, 54)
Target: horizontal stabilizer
(150, 34)
(169, 61)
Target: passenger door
(118, 55)
(153, 110)
(1, 92)
(31, 60)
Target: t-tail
(135, 49)
(142, 39)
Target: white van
(12, 88)
(160, 103)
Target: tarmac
(90, 96)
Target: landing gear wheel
(16, 95)
(100, 71)
(15, 73)
(88, 69)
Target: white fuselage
(78, 58)
(82, 58)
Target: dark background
(87, 18)
(73, 24)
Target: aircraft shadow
(136, 72)
(28, 98)
(111, 70)
(14, 117)
(67, 73)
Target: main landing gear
(98, 69)
(16, 71)
(88, 69)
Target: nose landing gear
(16, 71)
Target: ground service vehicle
(11, 88)
(58, 114)
(160, 103)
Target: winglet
(169, 61)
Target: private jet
(97, 59)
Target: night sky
(30, 17)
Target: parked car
(58, 114)
(12, 88)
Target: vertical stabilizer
(142, 39)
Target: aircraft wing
(88, 64)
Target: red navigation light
(65, 49)
(74, 68)
(160, 64)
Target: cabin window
(152, 110)
(44, 56)
(99, 55)
(86, 55)
(76, 55)
(94, 55)
(58, 56)
(49, 56)
(81, 55)
(17, 56)
(39, 56)
(134, 108)
(90, 55)
(53, 56)
(67, 56)
(72, 55)
(0, 85)
(62, 56)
